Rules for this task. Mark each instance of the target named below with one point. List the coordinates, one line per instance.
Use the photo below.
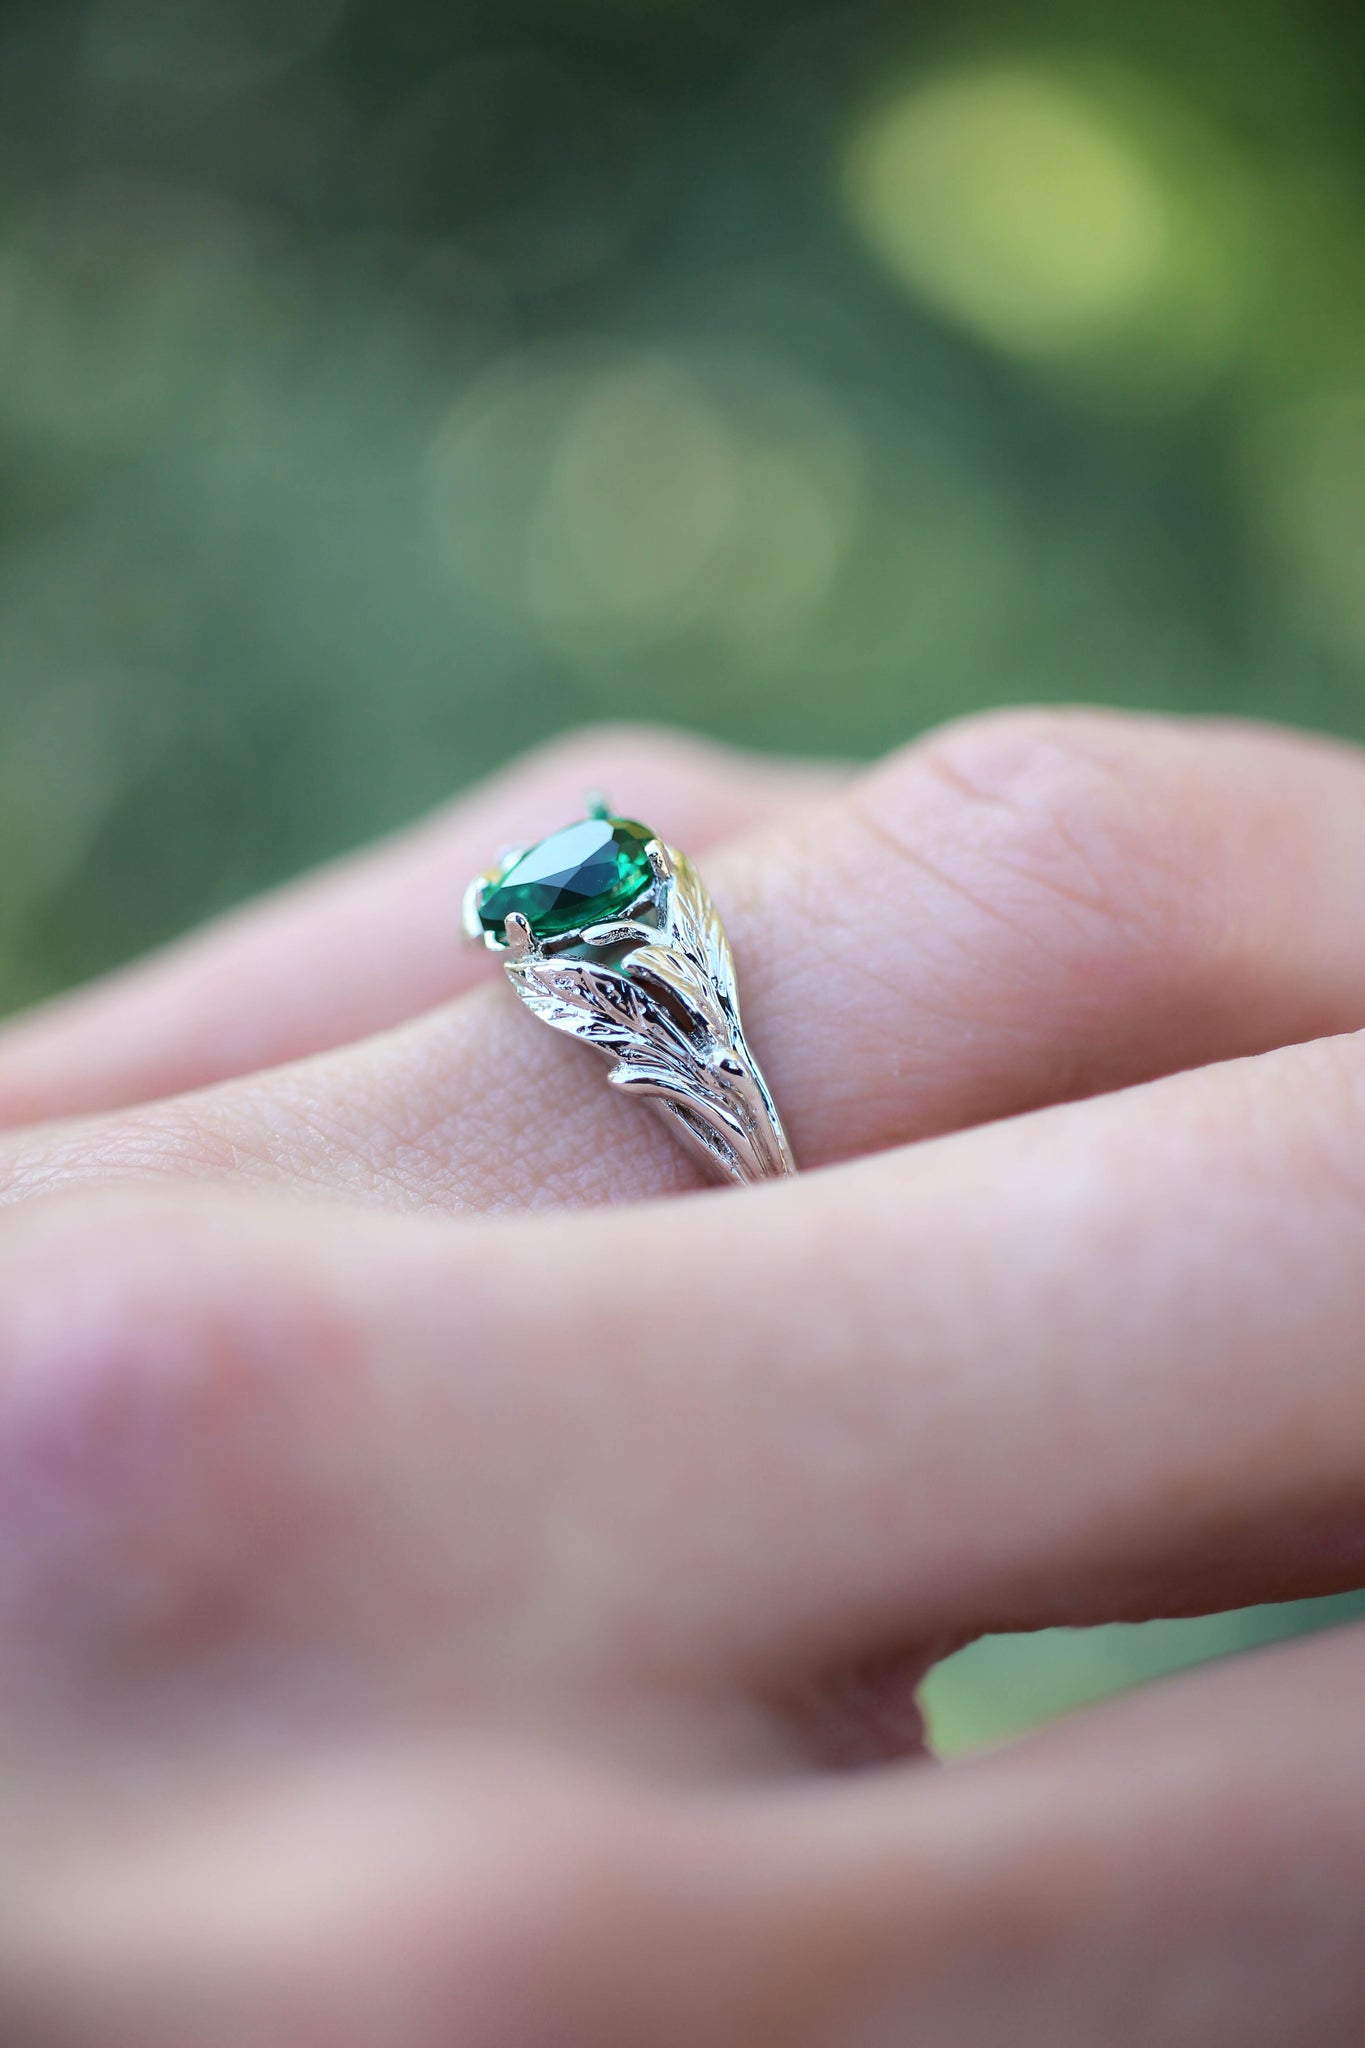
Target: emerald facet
(581, 876)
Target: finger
(1024, 910)
(404, 1894)
(237, 1489)
(401, 1896)
(1183, 1870)
(1138, 1879)
(1100, 1363)
(363, 944)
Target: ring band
(610, 934)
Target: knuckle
(1078, 824)
(153, 1407)
(1073, 806)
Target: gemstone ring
(609, 934)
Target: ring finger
(1023, 910)
(362, 945)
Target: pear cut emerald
(581, 876)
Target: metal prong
(519, 935)
(660, 863)
(623, 933)
(596, 805)
(473, 897)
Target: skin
(461, 1584)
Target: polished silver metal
(654, 991)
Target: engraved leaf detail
(667, 1016)
(695, 965)
(606, 1008)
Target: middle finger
(1101, 1363)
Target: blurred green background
(387, 384)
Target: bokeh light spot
(612, 500)
(639, 496)
(1061, 217)
(1012, 201)
(127, 299)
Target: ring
(611, 935)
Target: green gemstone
(581, 876)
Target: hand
(423, 1627)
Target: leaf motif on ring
(666, 1012)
